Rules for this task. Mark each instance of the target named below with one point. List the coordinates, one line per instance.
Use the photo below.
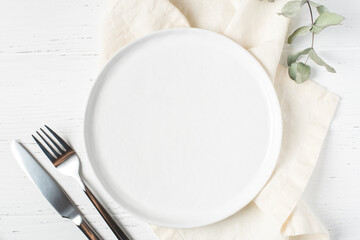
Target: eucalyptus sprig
(299, 71)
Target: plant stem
(312, 24)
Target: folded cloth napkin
(307, 109)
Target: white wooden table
(49, 49)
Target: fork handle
(119, 233)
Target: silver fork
(68, 163)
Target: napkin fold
(307, 109)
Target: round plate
(183, 127)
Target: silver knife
(51, 189)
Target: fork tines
(60, 149)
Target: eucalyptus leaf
(314, 4)
(303, 2)
(313, 55)
(290, 9)
(299, 32)
(315, 29)
(320, 8)
(292, 58)
(299, 72)
(326, 19)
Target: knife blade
(51, 189)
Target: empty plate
(183, 127)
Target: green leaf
(314, 4)
(303, 2)
(292, 58)
(290, 9)
(299, 72)
(299, 32)
(326, 19)
(315, 29)
(322, 9)
(319, 61)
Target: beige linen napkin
(307, 109)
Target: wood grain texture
(50, 47)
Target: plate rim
(275, 110)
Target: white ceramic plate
(183, 127)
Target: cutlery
(51, 190)
(68, 163)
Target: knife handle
(88, 231)
(119, 233)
